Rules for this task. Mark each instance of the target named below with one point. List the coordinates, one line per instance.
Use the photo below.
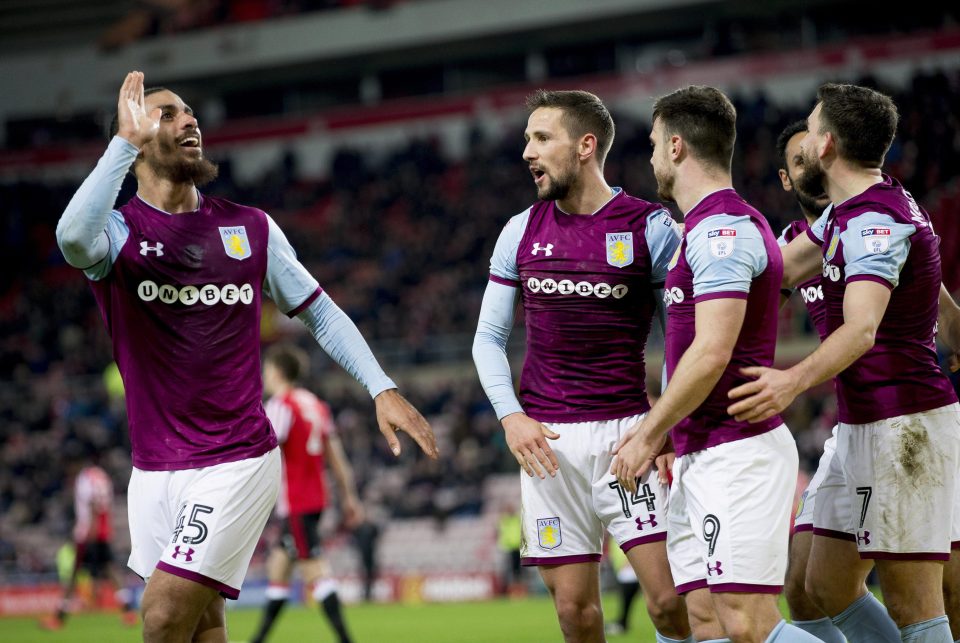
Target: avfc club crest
(235, 242)
(834, 244)
(548, 533)
(619, 249)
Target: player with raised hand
(178, 276)
(898, 441)
(588, 262)
(733, 482)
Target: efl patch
(619, 249)
(876, 239)
(834, 244)
(235, 242)
(548, 533)
(722, 242)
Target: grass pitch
(527, 620)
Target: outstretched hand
(395, 413)
(134, 123)
(771, 392)
(525, 439)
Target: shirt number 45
(644, 494)
(201, 528)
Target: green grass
(528, 620)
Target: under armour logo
(547, 249)
(864, 539)
(652, 522)
(187, 555)
(146, 247)
(714, 568)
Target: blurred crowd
(402, 244)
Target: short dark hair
(583, 113)
(862, 120)
(704, 118)
(115, 121)
(292, 361)
(788, 132)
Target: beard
(664, 186)
(560, 183)
(813, 178)
(169, 165)
(811, 206)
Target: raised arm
(82, 230)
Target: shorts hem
(642, 540)
(955, 545)
(832, 533)
(746, 588)
(683, 588)
(807, 526)
(229, 592)
(527, 561)
(887, 555)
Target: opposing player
(898, 441)
(838, 545)
(178, 277)
(588, 262)
(308, 440)
(92, 535)
(733, 482)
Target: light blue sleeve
(287, 282)
(503, 263)
(342, 341)
(820, 225)
(90, 232)
(875, 245)
(490, 347)
(663, 238)
(725, 253)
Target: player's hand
(352, 512)
(525, 438)
(771, 392)
(395, 413)
(135, 124)
(664, 463)
(634, 454)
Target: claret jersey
(587, 285)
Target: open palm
(135, 124)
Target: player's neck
(173, 198)
(692, 184)
(845, 181)
(587, 197)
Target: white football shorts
(563, 518)
(803, 521)
(202, 524)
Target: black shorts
(301, 535)
(94, 556)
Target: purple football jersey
(182, 307)
(900, 374)
(588, 300)
(811, 290)
(710, 424)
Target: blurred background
(385, 138)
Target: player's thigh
(279, 566)
(703, 615)
(212, 627)
(836, 574)
(174, 604)
(574, 583)
(912, 589)
(649, 561)
(800, 544)
(745, 614)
